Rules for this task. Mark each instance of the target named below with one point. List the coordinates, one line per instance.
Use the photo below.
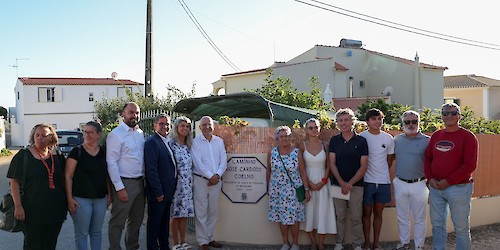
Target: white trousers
(411, 197)
(206, 202)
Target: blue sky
(94, 38)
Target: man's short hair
(410, 112)
(346, 111)
(161, 115)
(127, 103)
(451, 105)
(372, 113)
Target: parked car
(68, 139)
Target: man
(450, 159)
(377, 180)
(161, 173)
(348, 163)
(410, 187)
(125, 158)
(209, 156)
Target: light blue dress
(182, 203)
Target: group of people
(177, 176)
(180, 177)
(436, 170)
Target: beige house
(480, 93)
(350, 71)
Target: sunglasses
(447, 113)
(313, 128)
(410, 121)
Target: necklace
(50, 171)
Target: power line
(206, 36)
(418, 32)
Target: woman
(285, 172)
(87, 187)
(319, 212)
(182, 203)
(39, 174)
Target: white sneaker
(358, 248)
(295, 247)
(339, 246)
(419, 247)
(402, 246)
(285, 247)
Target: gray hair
(451, 105)
(410, 112)
(53, 135)
(161, 115)
(174, 134)
(282, 128)
(346, 111)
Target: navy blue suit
(161, 179)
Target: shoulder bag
(300, 191)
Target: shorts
(376, 193)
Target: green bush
(5, 152)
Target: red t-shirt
(451, 156)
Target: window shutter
(58, 95)
(42, 94)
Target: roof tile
(75, 81)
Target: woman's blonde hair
(175, 135)
(53, 142)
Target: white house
(480, 93)
(351, 71)
(66, 103)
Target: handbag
(7, 220)
(300, 191)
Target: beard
(410, 130)
(132, 123)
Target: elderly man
(161, 174)
(450, 159)
(125, 158)
(209, 157)
(410, 187)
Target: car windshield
(70, 138)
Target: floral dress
(284, 206)
(182, 203)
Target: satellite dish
(114, 75)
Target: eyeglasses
(410, 121)
(47, 135)
(164, 124)
(447, 113)
(313, 128)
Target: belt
(201, 176)
(413, 180)
(132, 178)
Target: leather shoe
(215, 244)
(204, 247)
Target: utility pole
(149, 68)
(17, 65)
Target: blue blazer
(161, 169)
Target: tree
(107, 111)
(3, 112)
(281, 90)
(392, 111)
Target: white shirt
(209, 157)
(379, 146)
(124, 154)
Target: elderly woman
(87, 187)
(285, 172)
(319, 212)
(39, 174)
(182, 203)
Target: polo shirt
(410, 154)
(348, 156)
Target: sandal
(178, 247)
(186, 246)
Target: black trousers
(41, 237)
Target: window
(46, 94)
(122, 91)
(17, 95)
(91, 96)
(362, 84)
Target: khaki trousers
(355, 207)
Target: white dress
(319, 211)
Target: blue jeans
(457, 198)
(88, 222)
